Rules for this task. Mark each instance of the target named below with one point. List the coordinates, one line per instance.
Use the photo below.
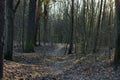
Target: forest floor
(55, 65)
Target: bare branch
(16, 6)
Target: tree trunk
(10, 16)
(84, 27)
(23, 28)
(38, 17)
(8, 49)
(46, 8)
(92, 22)
(2, 21)
(117, 25)
(30, 29)
(98, 27)
(72, 29)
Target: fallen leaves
(35, 66)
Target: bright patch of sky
(58, 6)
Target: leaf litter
(37, 66)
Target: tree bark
(117, 25)
(30, 29)
(2, 23)
(46, 10)
(38, 17)
(98, 27)
(72, 29)
(23, 28)
(10, 16)
(8, 49)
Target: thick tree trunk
(8, 49)
(2, 21)
(117, 24)
(10, 16)
(30, 29)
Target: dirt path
(36, 66)
(58, 50)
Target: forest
(59, 39)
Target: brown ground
(36, 66)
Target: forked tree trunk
(10, 16)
